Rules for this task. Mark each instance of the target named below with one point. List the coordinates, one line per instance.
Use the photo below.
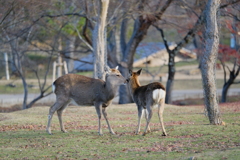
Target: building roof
(85, 63)
(144, 52)
(146, 49)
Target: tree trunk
(124, 94)
(6, 66)
(70, 41)
(25, 92)
(232, 76)
(170, 81)
(208, 63)
(226, 86)
(113, 48)
(99, 43)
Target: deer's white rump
(158, 94)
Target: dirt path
(9, 99)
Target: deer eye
(118, 75)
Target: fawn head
(133, 75)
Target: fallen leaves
(16, 127)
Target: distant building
(85, 63)
(155, 54)
(151, 53)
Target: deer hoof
(49, 132)
(100, 134)
(164, 134)
(64, 131)
(144, 134)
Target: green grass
(23, 136)
(33, 86)
(38, 57)
(4, 89)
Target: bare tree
(228, 56)
(141, 25)
(99, 42)
(191, 32)
(208, 62)
(231, 55)
(19, 31)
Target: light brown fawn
(85, 91)
(145, 98)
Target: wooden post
(65, 67)
(59, 65)
(54, 71)
(6, 66)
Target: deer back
(148, 94)
(86, 91)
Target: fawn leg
(160, 116)
(140, 112)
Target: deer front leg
(105, 116)
(149, 109)
(140, 112)
(98, 108)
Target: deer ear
(107, 69)
(139, 71)
(130, 71)
(116, 67)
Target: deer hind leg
(140, 113)
(105, 116)
(160, 116)
(149, 109)
(146, 117)
(98, 108)
(53, 108)
(59, 112)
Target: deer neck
(111, 88)
(135, 84)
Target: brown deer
(145, 98)
(85, 91)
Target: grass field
(23, 135)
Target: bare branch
(80, 37)
(228, 4)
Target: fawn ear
(116, 67)
(130, 71)
(139, 71)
